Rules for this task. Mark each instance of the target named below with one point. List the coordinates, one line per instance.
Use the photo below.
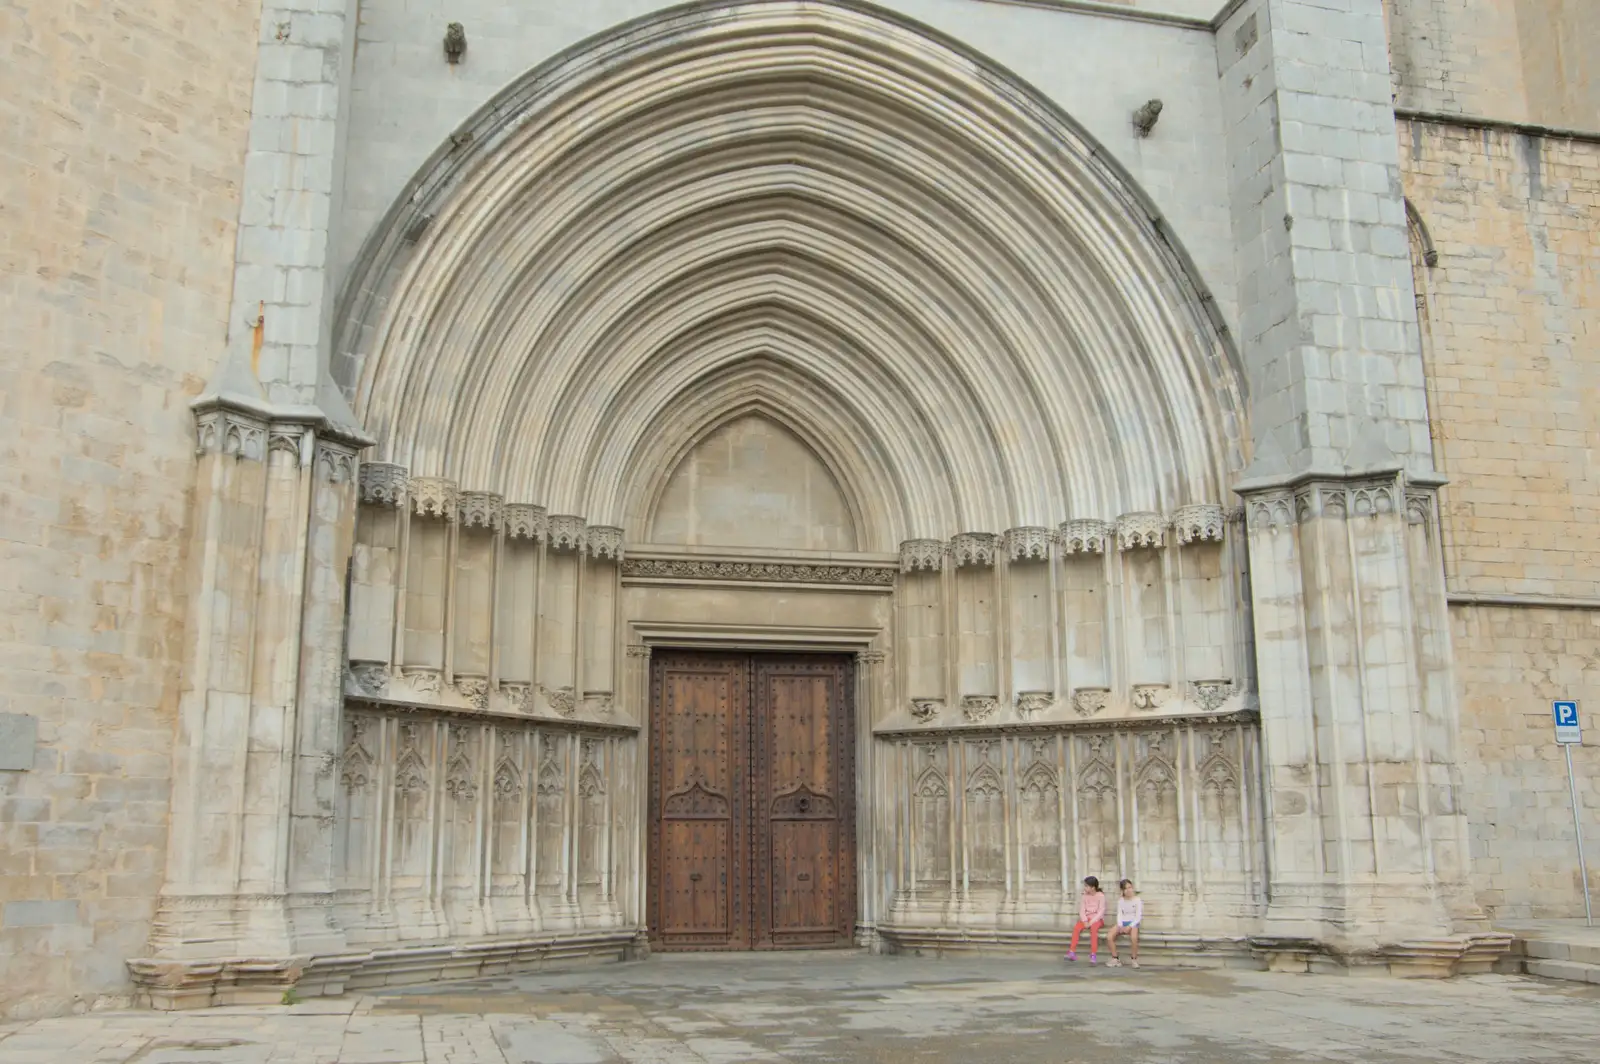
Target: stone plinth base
(1156, 948)
(1422, 958)
(197, 984)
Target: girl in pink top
(1091, 914)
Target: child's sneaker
(1092, 957)
(1072, 956)
(1136, 964)
(1113, 963)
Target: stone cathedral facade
(490, 483)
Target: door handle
(694, 877)
(803, 877)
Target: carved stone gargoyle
(455, 43)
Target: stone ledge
(196, 984)
(1159, 949)
(1424, 958)
(1573, 971)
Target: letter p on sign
(1567, 727)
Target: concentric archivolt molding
(817, 211)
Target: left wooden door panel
(699, 804)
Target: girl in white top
(1130, 913)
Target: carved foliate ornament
(1083, 536)
(1200, 523)
(1142, 529)
(383, 483)
(1148, 696)
(755, 572)
(926, 709)
(566, 533)
(524, 520)
(639, 650)
(434, 497)
(1209, 695)
(922, 555)
(977, 708)
(371, 676)
(481, 509)
(1028, 544)
(475, 689)
(563, 700)
(1089, 701)
(605, 541)
(1031, 703)
(869, 657)
(974, 548)
(423, 680)
(516, 696)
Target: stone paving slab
(811, 1008)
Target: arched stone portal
(732, 268)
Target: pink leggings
(1094, 935)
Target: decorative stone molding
(481, 509)
(1083, 536)
(567, 533)
(1149, 696)
(563, 700)
(460, 779)
(974, 548)
(605, 541)
(1142, 529)
(1209, 695)
(922, 555)
(336, 462)
(383, 483)
(423, 679)
(1200, 523)
(1270, 511)
(598, 702)
(869, 657)
(1090, 701)
(926, 709)
(371, 676)
(289, 439)
(516, 696)
(775, 573)
(526, 521)
(1031, 703)
(639, 650)
(978, 708)
(1419, 508)
(1028, 543)
(230, 433)
(475, 689)
(434, 497)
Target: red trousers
(1094, 935)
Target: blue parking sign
(1568, 730)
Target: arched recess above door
(822, 209)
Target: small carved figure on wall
(455, 43)
(1144, 119)
(926, 709)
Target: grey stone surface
(813, 1007)
(19, 733)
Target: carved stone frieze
(639, 650)
(524, 520)
(1200, 523)
(231, 433)
(1089, 701)
(922, 555)
(563, 700)
(1149, 696)
(974, 548)
(926, 709)
(605, 541)
(1142, 529)
(434, 497)
(475, 689)
(978, 708)
(481, 509)
(1028, 543)
(776, 573)
(371, 676)
(1031, 703)
(1083, 536)
(516, 696)
(1209, 695)
(567, 532)
(423, 679)
(383, 483)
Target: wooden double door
(752, 801)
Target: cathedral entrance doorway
(752, 801)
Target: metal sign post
(1569, 733)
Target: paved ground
(817, 1007)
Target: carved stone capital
(481, 509)
(639, 650)
(434, 497)
(423, 679)
(1028, 543)
(1142, 529)
(978, 708)
(1209, 695)
(1089, 701)
(231, 433)
(1083, 536)
(475, 689)
(517, 696)
(526, 521)
(605, 541)
(566, 532)
(869, 657)
(974, 548)
(926, 709)
(563, 700)
(1200, 523)
(383, 483)
(1149, 696)
(922, 555)
(1031, 703)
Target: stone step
(1575, 971)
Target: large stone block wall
(1510, 314)
(124, 138)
